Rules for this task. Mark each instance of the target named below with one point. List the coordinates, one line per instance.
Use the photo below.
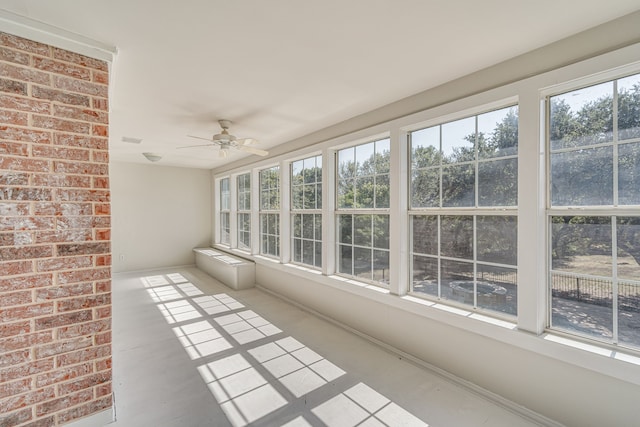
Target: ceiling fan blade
(247, 141)
(199, 145)
(252, 150)
(199, 137)
(222, 153)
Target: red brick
(85, 410)
(26, 370)
(62, 320)
(81, 141)
(99, 130)
(61, 180)
(100, 182)
(20, 238)
(85, 329)
(102, 312)
(103, 365)
(14, 148)
(15, 358)
(65, 402)
(11, 86)
(68, 222)
(84, 249)
(83, 114)
(100, 156)
(25, 135)
(84, 383)
(25, 341)
(24, 104)
(83, 302)
(104, 338)
(100, 77)
(8, 223)
(22, 193)
(29, 282)
(78, 59)
(80, 168)
(47, 122)
(13, 209)
(61, 96)
(102, 222)
(103, 260)
(63, 236)
(13, 268)
(24, 74)
(62, 209)
(26, 252)
(26, 312)
(19, 43)
(56, 152)
(13, 329)
(42, 422)
(63, 263)
(103, 234)
(57, 67)
(14, 117)
(79, 86)
(13, 403)
(61, 347)
(19, 417)
(103, 390)
(81, 195)
(57, 292)
(77, 276)
(87, 354)
(64, 374)
(15, 298)
(16, 387)
(102, 209)
(14, 56)
(100, 104)
(13, 178)
(22, 164)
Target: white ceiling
(282, 69)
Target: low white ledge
(235, 272)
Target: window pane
(497, 239)
(307, 252)
(425, 188)
(381, 231)
(581, 245)
(319, 196)
(382, 191)
(307, 226)
(629, 313)
(458, 186)
(345, 228)
(346, 164)
(318, 254)
(498, 183)
(628, 238)
(458, 140)
(456, 275)
(309, 197)
(582, 177)
(381, 266)
(365, 159)
(297, 250)
(582, 117)
(629, 107)
(364, 192)
(456, 236)
(297, 225)
(297, 195)
(425, 148)
(496, 289)
(383, 148)
(425, 234)
(425, 275)
(296, 173)
(629, 173)
(582, 305)
(318, 227)
(362, 263)
(498, 133)
(345, 259)
(346, 194)
(362, 230)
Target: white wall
(159, 214)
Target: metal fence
(595, 291)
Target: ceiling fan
(225, 141)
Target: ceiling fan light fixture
(152, 157)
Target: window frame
(302, 211)
(269, 213)
(242, 210)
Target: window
(594, 211)
(225, 206)
(463, 215)
(306, 215)
(363, 211)
(243, 186)
(270, 211)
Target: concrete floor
(188, 351)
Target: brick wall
(55, 251)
